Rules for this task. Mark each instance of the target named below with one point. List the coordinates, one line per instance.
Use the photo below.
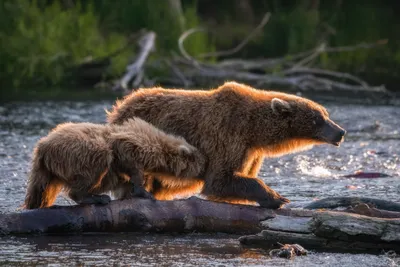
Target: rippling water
(372, 144)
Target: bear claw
(273, 204)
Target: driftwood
(92, 71)
(136, 69)
(329, 230)
(292, 73)
(318, 229)
(335, 202)
(138, 215)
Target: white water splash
(309, 168)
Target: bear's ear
(280, 106)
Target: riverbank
(58, 94)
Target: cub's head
(305, 119)
(189, 161)
(180, 159)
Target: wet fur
(88, 159)
(235, 127)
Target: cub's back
(70, 133)
(74, 146)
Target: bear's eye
(318, 121)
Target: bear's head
(305, 119)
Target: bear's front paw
(273, 203)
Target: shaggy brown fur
(90, 159)
(234, 126)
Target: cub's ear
(280, 106)
(184, 150)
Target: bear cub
(87, 160)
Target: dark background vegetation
(43, 42)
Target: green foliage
(41, 44)
(130, 16)
(41, 41)
(197, 43)
(295, 27)
(367, 23)
(290, 32)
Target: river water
(372, 144)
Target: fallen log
(335, 202)
(317, 229)
(138, 215)
(364, 209)
(329, 231)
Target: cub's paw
(96, 199)
(142, 193)
(104, 199)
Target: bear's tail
(42, 188)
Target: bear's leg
(81, 197)
(129, 170)
(231, 187)
(127, 190)
(137, 179)
(170, 190)
(133, 185)
(81, 188)
(255, 166)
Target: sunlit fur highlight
(235, 126)
(87, 158)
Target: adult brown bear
(234, 126)
(89, 159)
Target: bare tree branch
(178, 73)
(321, 48)
(285, 73)
(234, 50)
(239, 47)
(340, 75)
(147, 45)
(182, 38)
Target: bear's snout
(332, 133)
